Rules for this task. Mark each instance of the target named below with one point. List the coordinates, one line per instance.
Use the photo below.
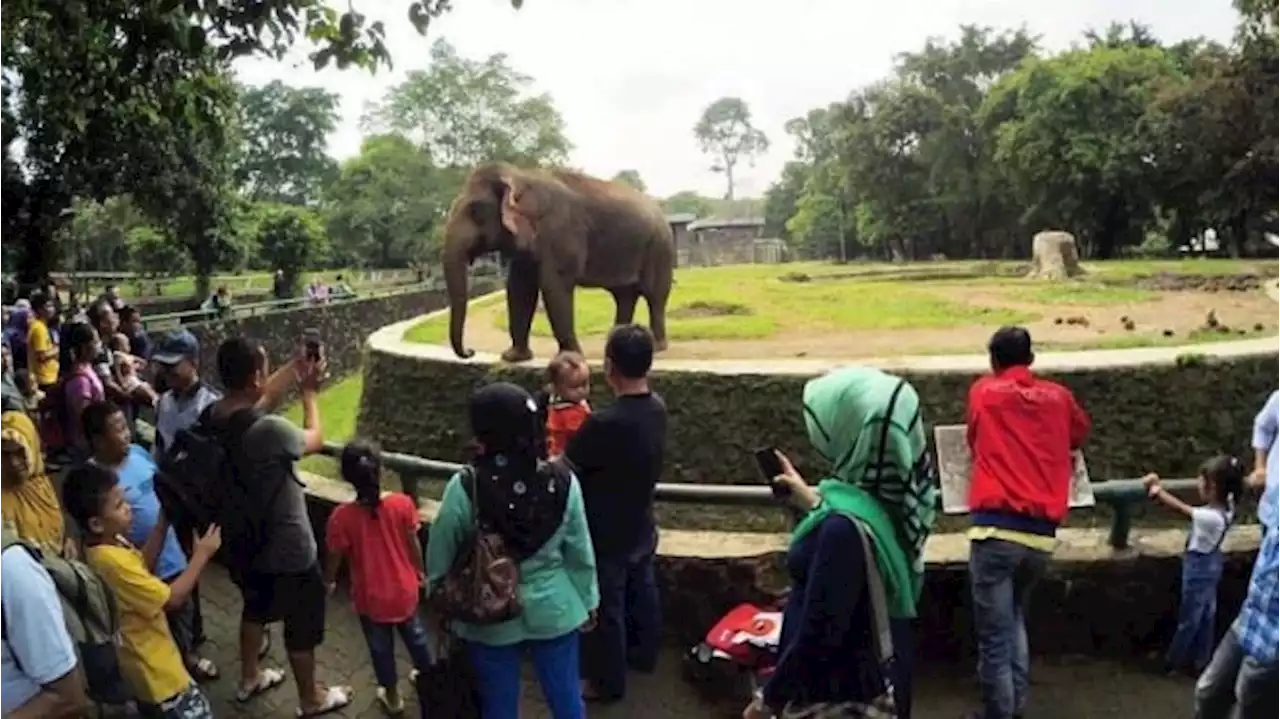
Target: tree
(386, 203)
(725, 132)
(92, 73)
(284, 131)
(781, 198)
(630, 177)
(291, 239)
(1072, 138)
(466, 112)
(689, 202)
(96, 237)
(154, 254)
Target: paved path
(1063, 689)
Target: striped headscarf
(867, 424)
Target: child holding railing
(1221, 482)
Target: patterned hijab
(517, 494)
(29, 505)
(867, 425)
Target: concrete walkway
(1063, 688)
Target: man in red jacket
(1022, 431)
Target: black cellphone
(311, 341)
(770, 466)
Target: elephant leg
(656, 288)
(522, 302)
(658, 319)
(625, 299)
(557, 297)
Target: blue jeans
(1235, 686)
(382, 648)
(628, 632)
(1192, 643)
(556, 663)
(1001, 576)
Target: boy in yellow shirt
(42, 351)
(149, 658)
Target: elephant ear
(519, 212)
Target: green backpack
(89, 609)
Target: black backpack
(203, 480)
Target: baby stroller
(738, 654)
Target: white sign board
(954, 463)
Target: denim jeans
(1234, 686)
(1192, 643)
(382, 648)
(628, 632)
(555, 661)
(1001, 576)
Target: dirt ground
(1180, 312)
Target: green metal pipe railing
(1118, 494)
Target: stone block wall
(1093, 602)
(1165, 417)
(344, 326)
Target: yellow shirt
(1034, 541)
(38, 341)
(149, 659)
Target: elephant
(559, 230)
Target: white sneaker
(392, 709)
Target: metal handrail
(1119, 494)
(254, 309)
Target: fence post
(1121, 520)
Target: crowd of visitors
(543, 547)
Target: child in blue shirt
(1221, 482)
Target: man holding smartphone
(283, 581)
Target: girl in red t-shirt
(378, 535)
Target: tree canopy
(972, 145)
(463, 112)
(283, 154)
(110, 97)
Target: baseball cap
(175, 346)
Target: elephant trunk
(455, 282)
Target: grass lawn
(1080, 293)
(339, 406)
(436, 331)
(1194, 266)
(877, 309)
(752, 302)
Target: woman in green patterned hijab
(856, 559)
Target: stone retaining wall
(1096, 601)
(343, 325)
(1155, 409)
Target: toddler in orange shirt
(569, 378)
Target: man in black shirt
(617, 455)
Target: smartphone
(311, 342)
(770, 466)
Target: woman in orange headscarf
(28, 503)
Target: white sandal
(267, 680)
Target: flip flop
(203, 670)
(268, 679)
(335, 699)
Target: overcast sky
(631, 77)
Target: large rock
(1054, 256)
